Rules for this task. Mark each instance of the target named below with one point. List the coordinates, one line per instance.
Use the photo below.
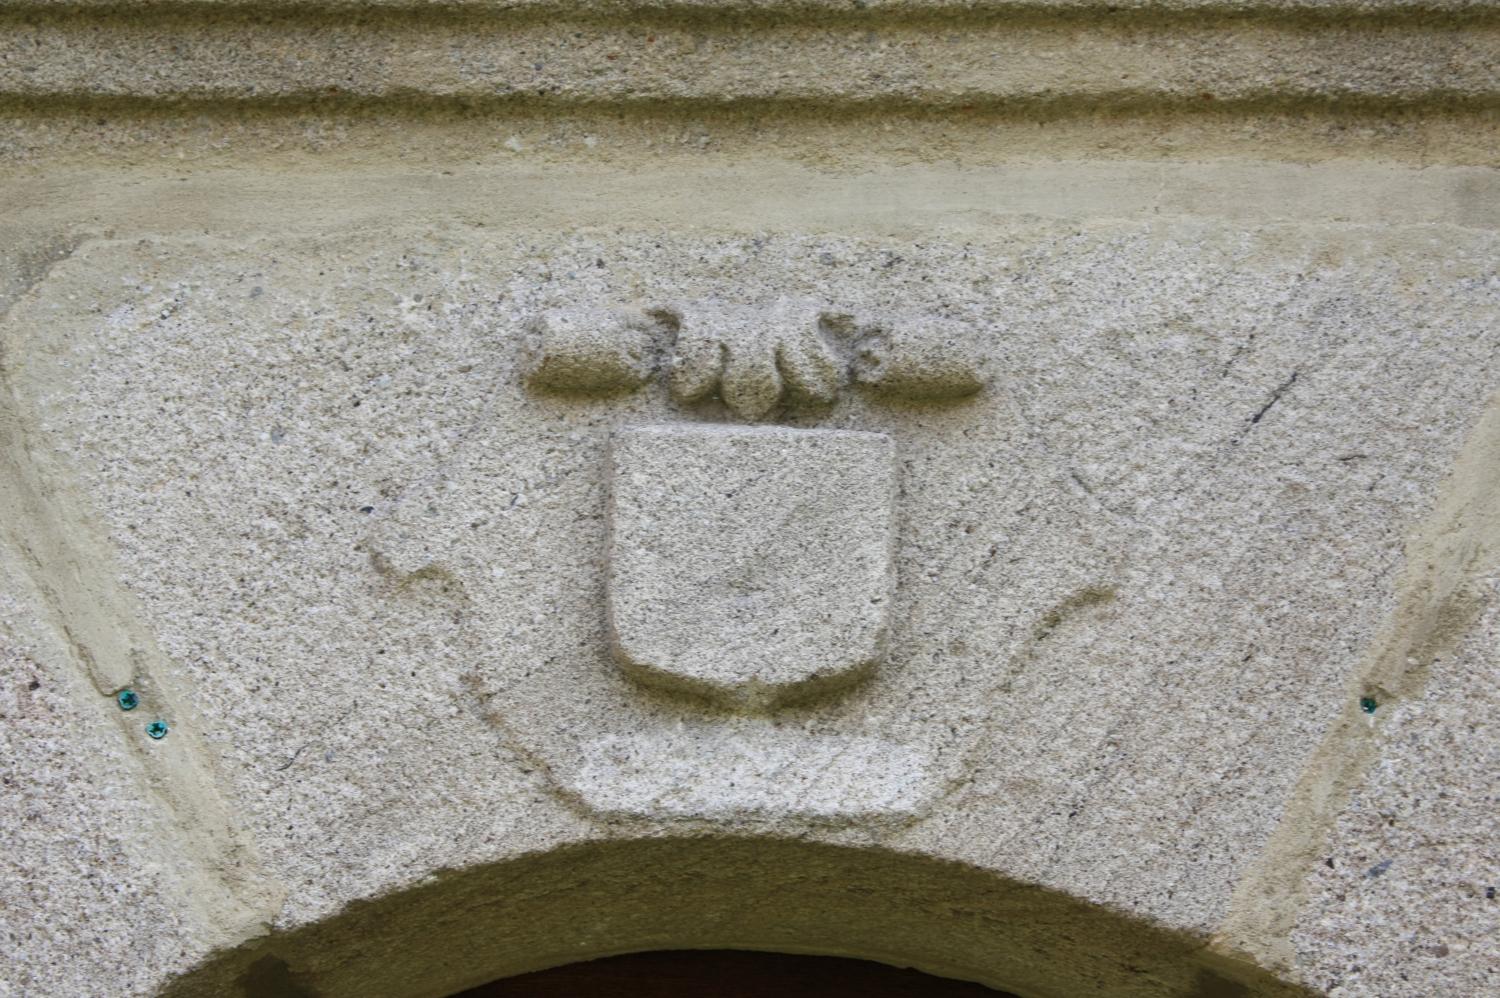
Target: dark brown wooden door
(728, 974)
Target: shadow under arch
(581, 901)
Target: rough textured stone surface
(1182, 323)
(90, 869)
(754, 773)
(860, 59)
(1169, 532)
(1404, 901)
(589, 351)
(921, 358)
(750, 564)
(754, 357)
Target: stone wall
(1009, 488)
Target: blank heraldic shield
(750, 565)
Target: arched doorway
(462, 929)
(729, 974)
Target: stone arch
(592, 899)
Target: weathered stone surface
(593, 351)
(655, 57)
(90, 868)
(751, 565)
(920, 358)
(1141, 357)
(1403, 898)
(754, 772)
(1170, 532)
(1402, 892)
(755, 356)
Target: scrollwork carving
(753, 357)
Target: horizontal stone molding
(974, 57)
(805, 9)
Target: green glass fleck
(1368, 704)
(127, 699)
(157, 729)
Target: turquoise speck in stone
(157, 729)
(127, 699)
(1368, 704)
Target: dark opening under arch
(729, 974)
